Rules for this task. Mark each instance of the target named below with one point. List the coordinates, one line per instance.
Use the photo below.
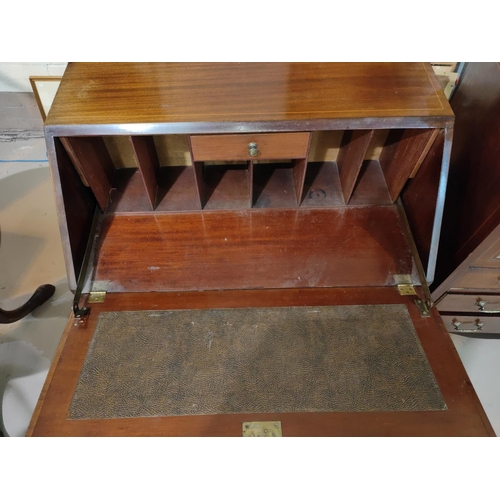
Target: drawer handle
(253, 149)
(479, 326)
(482, 304)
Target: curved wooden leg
(41, 295)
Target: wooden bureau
(235, 188)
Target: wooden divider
(352, 152)
(90, 157)
(250, 181)
(149, 166)
(198, 177)
(425, 151)
(403, 153)
(278, 185)
(299, 175)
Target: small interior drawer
(236, 146)
(479, 278)
(472, 324)
(475, 303)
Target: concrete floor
(31, 254)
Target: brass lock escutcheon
(262, 429)
(253, 149)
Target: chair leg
(41, 295)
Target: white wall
(14, 77)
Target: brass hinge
(405, 287)
(98, 291)
(423, 308)
(404, 284)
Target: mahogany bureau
(222, 193)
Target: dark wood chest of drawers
(467, 289)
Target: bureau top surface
(208, 93)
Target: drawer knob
(481, 304)
(457, 324)
(253, 149)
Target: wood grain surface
(128, 193)
(480, 278)
(268, 185)
(147, 160)
(237, 92)
(252, 249)
(299, 177)
(472, 208)
(121, 151)
(227, 188)
(402, 156)
(420, 196)
(173, 150)
(235, 147)
(351, 155)
(491, 257)
(75, 209)
(474, 259)
(474, 325)
(464, 416)
(90, 156)
(468, 303)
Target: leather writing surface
(286, 359)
